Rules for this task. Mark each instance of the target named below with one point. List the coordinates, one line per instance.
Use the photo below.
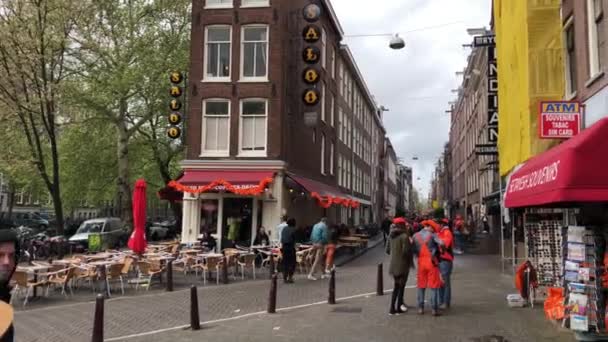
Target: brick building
(245, 123)
(585, 36)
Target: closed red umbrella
(137, 241)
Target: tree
(120, 44)
(34, 49)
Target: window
(216, 128)
(217, 53)
(253, 127)
(331, 110)
(218, 4)
(322, 153)
(570, 57)
(339, 169)
(331, 158)
(594, 19)
(254, 3)
(323, 102)
(254, 53)
(332, 60)
(340, 124)
(323, 48)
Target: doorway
(237, 220)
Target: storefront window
(238, 216)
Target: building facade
(404, 189)
(252, 156)
(585, 36)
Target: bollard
(225, 270)
(271, 266)
(380, 282)
(272, 297)
(98, 320)
(169, 275)
(195, 321)
(332, 288)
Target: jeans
(434, 298)
(445, 293)
(459, 240)
(398, 294)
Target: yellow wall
(530, 69)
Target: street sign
(311, 76)
(311, 55)
(311, 33)
(310, 97)
(176, 77)
(175, 118)
(492, 74)
(311, 13)
(489, 40)
(310, 119)
(175, 104)
(174, 132)
(560, 119)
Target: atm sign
(560, 119)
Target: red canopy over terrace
(574, 171)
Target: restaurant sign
(559, 119)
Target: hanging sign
(311, 97)
(311, 13)
(311, 55)
(311, 76)
(311, 33)
(492, 95)
(174, 132)
(175, 118)
(176, 77)
(175, 91)
(560, 119)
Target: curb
(372, 245)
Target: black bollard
(169, 275)
(271, 266)
(272, 297)
(332, 288)
(225, 270)
(380, 282)
(195, 321)
(98, 320)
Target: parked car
(32, 220)
(6, 223)
(112, 231)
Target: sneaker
(421, 311)
(310, 277)
(403, 308)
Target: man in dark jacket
(288, 249)
(9, 254)
(386, 227)
(400, 249)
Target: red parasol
(137, 241)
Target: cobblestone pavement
(159, 310)
(477, 310)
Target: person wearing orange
(459, 235)
(446, 262)
(427, 247)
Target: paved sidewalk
(479, 310)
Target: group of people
(430, 243)
(323, 240)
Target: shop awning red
(574, 171)
(236, 177)
(313, 186)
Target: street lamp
(397, 43)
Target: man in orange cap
(446, 259)
(427, 246)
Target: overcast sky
(413, 83)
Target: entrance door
(238, 215)
(209, 216)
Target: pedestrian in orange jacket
(427, 247)
(446, 264)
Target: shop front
(558, 201)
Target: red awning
(314, 186)
(236, 177)
(574, 171)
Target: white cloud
(414, 83)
